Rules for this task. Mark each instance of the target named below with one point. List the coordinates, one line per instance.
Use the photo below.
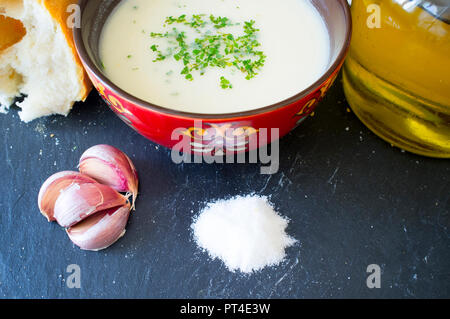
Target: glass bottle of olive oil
(397, 74)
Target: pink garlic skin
(81, 200)
(88, 204)
(52, 187)
(100, 230)
(110, 166)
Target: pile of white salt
(246, 233)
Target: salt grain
(246, 233)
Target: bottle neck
(440, 9)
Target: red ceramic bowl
(158, 123)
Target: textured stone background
(353, 200)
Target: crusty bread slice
(42, 63)
(12, 32)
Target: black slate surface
(353, 200)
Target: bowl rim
(91, 66)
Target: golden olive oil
(397, 74)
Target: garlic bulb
(110, 166)
(88, 203)
(52, 187)
(81, 200)
(101, 230)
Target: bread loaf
(38, 59)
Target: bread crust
(58, 11)
(12, 31)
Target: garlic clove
(51, 188)
(100, 230)
(81, 200)
(110, 166)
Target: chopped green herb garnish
(225, 84)
(213, 48)
(220, 22)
